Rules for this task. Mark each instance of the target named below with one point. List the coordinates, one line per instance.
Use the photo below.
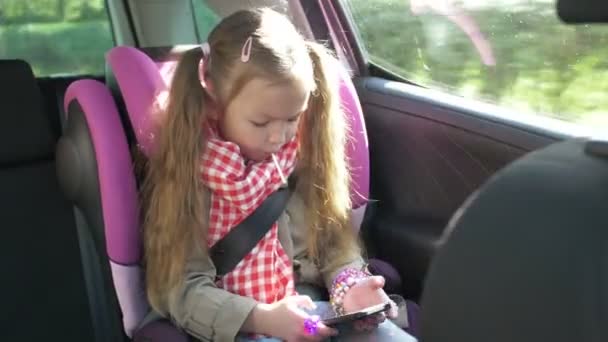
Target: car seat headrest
(527, 257)
(155, 67)
(583, 11)
(140, 82)
(25, 130)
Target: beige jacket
(213, 314)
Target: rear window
(206, 18)
(208, 13)
(56, 36)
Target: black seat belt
(235, 245)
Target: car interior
(488, 218)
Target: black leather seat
(527, 258)
(42, 281)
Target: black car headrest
(583, 11)
(527, 257)
(25, 131)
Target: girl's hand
(285, 320)
(368, 292)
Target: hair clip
(246, 51)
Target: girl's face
(264, 116)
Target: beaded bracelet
(343, 282)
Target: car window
(513, 53)
(56, 36)
(206, 18)
(209, 12)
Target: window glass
(56, 36)
(513, 53)
(209, 12)
(206, 18)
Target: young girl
(255, 106)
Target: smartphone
(333, 320)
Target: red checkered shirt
(237, 189)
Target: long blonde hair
(174, 207)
